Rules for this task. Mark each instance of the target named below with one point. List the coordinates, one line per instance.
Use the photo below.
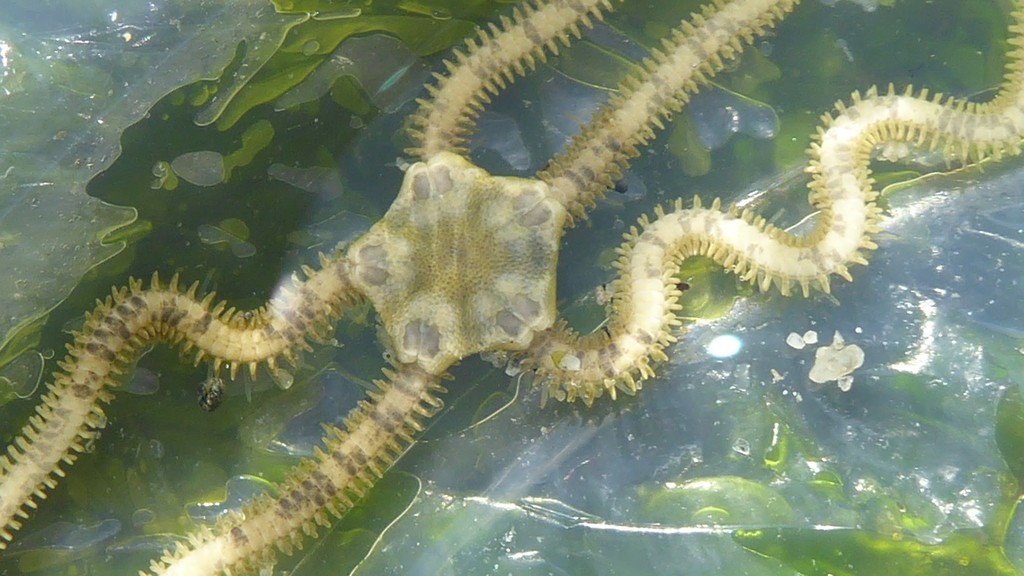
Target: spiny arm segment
(69, 414)
(376, 433)
(645, 296)
(694, 53)
(504, 52)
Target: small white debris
(836, 361)
(798, 342)
(795, 341)
(513, 368)
(402, 163)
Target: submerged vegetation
(239, 179)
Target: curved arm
(376, 434)
(645, 295)
(504, 52)
(70, 413)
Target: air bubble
(283, 378)
(202, 168)
(142, 516)
(741, 446)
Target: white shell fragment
(798, 342)
(836, 361)
(795, 341)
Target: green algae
(850, 552)
(791, 470)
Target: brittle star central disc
(462, 262)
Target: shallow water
(860, 480)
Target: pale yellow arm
(503, 52)
(645, 295)
(690, 56)
(376, 433)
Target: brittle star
(464, 262)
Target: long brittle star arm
(504, 52)
(645, 296)
(70, 413)
(376, 433)
(694, 52)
